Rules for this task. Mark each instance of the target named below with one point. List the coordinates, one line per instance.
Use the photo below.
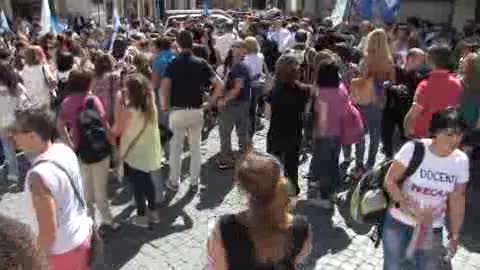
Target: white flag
(46, 19)
(5, 27)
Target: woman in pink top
(331, 104)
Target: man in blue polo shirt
(164, 56)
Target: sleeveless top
(146, 153)
(73, 223)
(240, 250)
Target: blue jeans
(326, 152)
(396, 237)
(373, 118)
(10, 156)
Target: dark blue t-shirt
(239, 72)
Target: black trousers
(143, 189)
(392, 118)
(287, 150)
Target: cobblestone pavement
(179, 242)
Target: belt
(176, 108)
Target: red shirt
(72, 106)
(441, 90)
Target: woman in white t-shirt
(422, 199)
(54, 185)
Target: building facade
(438, 11)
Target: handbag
(352, 127)
(268, 80)
(97, 246)
(119, 169)
(165, 134)
(52, 85)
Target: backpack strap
(69, 176)
(415, 161)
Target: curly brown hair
(17, 247)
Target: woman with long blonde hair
(377, 67)
(378, 60)
(265, 236)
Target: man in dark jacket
(400, 97)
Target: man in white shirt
(224, 43)
(281, 36)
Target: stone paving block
(179, 242)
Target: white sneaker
(12, 177)
(140, 221)
(153, 217)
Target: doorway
(30, 9)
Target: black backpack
(93, 144)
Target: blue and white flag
(390, 10)
(4, 26)
(207, 7)
(46, 20)
(116, 24)
(59, 26)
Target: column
(463, 10)
(292, 5)
(477, 12)
(181, 4)
(7, 6)
(310, 8)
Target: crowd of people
(91, 102)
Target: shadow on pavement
(327, 239)
(218, 184)
(471, 233)
(125, 244)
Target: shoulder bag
(97, 246)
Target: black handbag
(97, 246)
(165, 134)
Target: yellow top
(146, 153)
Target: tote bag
(352, 127)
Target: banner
(385, 11)
(390, 10)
